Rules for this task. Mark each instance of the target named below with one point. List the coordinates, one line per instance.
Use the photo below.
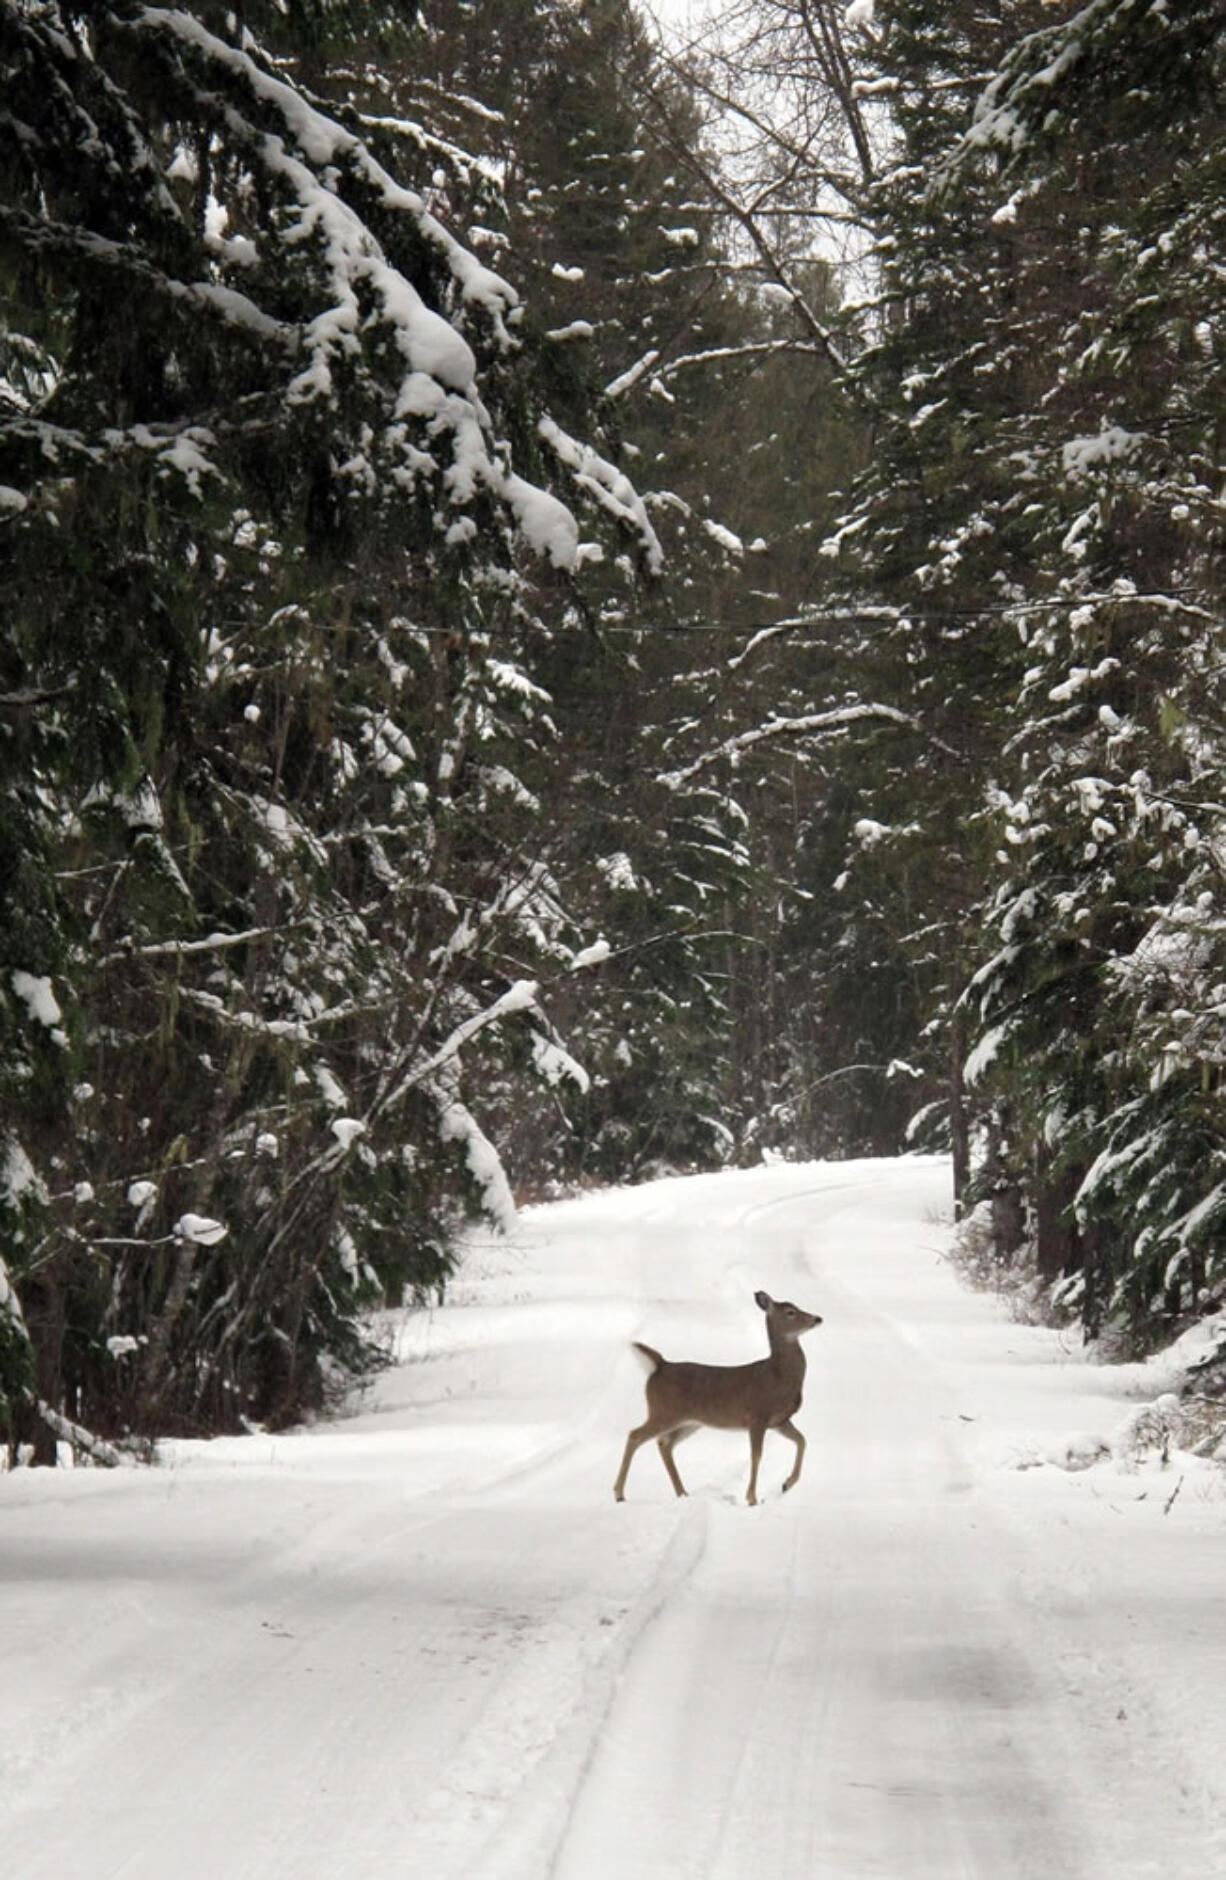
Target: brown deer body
(755, 1397)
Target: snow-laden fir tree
(286, 526)
(1042, 514)
(1101, 1010)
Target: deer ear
(763, 1301)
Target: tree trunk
(959, 1125)
(1058, 1244)
(32, 1435)
(44, 1305)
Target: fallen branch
(95, 1447)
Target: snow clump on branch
(373, 314)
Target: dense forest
(579, 603)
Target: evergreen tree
(1036, 514)
(1097, 1010)
(624, 277)
(280, 553)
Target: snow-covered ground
(425, 1641)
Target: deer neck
(787, 1357)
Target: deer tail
(650, 1355)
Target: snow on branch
(10, 1304)
(555, 1064)
(432, 145)
(439, 1076)
(458, 1124)
(607, 485)
(520, 997)
(1051, 75)
(95, 1447)
(723, 355)
(371, 310)
(325, 144)
(627, 380)
(811, 724)
(35, 234)
(180, 949)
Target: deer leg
(793, 1434)
(755, 1456)
(654, 1426)
(666, 1445)
(633, 1441)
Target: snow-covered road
(426, 1642)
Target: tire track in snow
(669, 1778)
(529, 1834)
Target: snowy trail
(426, 1641)
(841, 1684)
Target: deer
(755, 1397)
